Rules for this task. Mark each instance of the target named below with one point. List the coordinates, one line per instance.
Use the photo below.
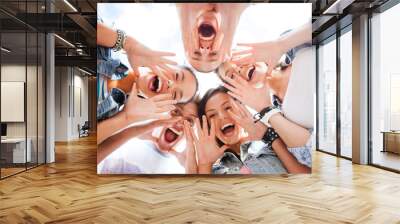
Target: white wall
(69, 82)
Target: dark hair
(202, 107)
(195, 78)
(207, 96)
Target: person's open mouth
(250, 73)
(171, 135)
(206, 31)
(228, 129)
(155, 84)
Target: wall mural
(205, 88)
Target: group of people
(259, 121)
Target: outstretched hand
(269, 52)
(240, 89)
(157, 107)
(207, 149)
(142, 56)
(242, 116)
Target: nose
(205, 47)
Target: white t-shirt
(138, 156)
(298, 105)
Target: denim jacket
(108, 68)
(257, 156)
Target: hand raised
(240, 89)
(242, 116)
(269, 52)
(207, 149)
(157, 107)
(142, 56)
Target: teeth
(226, 126)
(159, 84)
(175, 131)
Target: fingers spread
(247, 44)
(164, 109)
(234, 116)
(205, 125)
(163, 53)
(161, 103)
(212, 129)
(232, 89)
(236, 96)
(241, 52)
(223, 148)
(161, 116)
(161, 97)
(198, 127)
(167, 61)
(188, 133)
(247, 59)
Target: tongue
(228, 129)
(170, 136)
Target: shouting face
(181, 84)
(172, 134)
(253, 73)
(216, 110)
(207, 32)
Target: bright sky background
(157, 26)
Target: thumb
(223, 148)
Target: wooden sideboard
(391, 141)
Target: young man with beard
(140, 149)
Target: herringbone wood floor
(69, 191)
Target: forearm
(204, 168)
(288, 160)
(106, 36)
(296, 37)
(111, 126)
(115, 141)
(292, 134)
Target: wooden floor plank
(70, 191)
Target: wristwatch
(270, 136)
(265, 114)
(119, 44)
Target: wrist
(263, 105)
(129, 44)
(283, 44)
(204, 168)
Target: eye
(176, 76)
(191, 121)
(228, 108)
(197, 53)
(211, 115)
(214, 53)
(175, 112)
